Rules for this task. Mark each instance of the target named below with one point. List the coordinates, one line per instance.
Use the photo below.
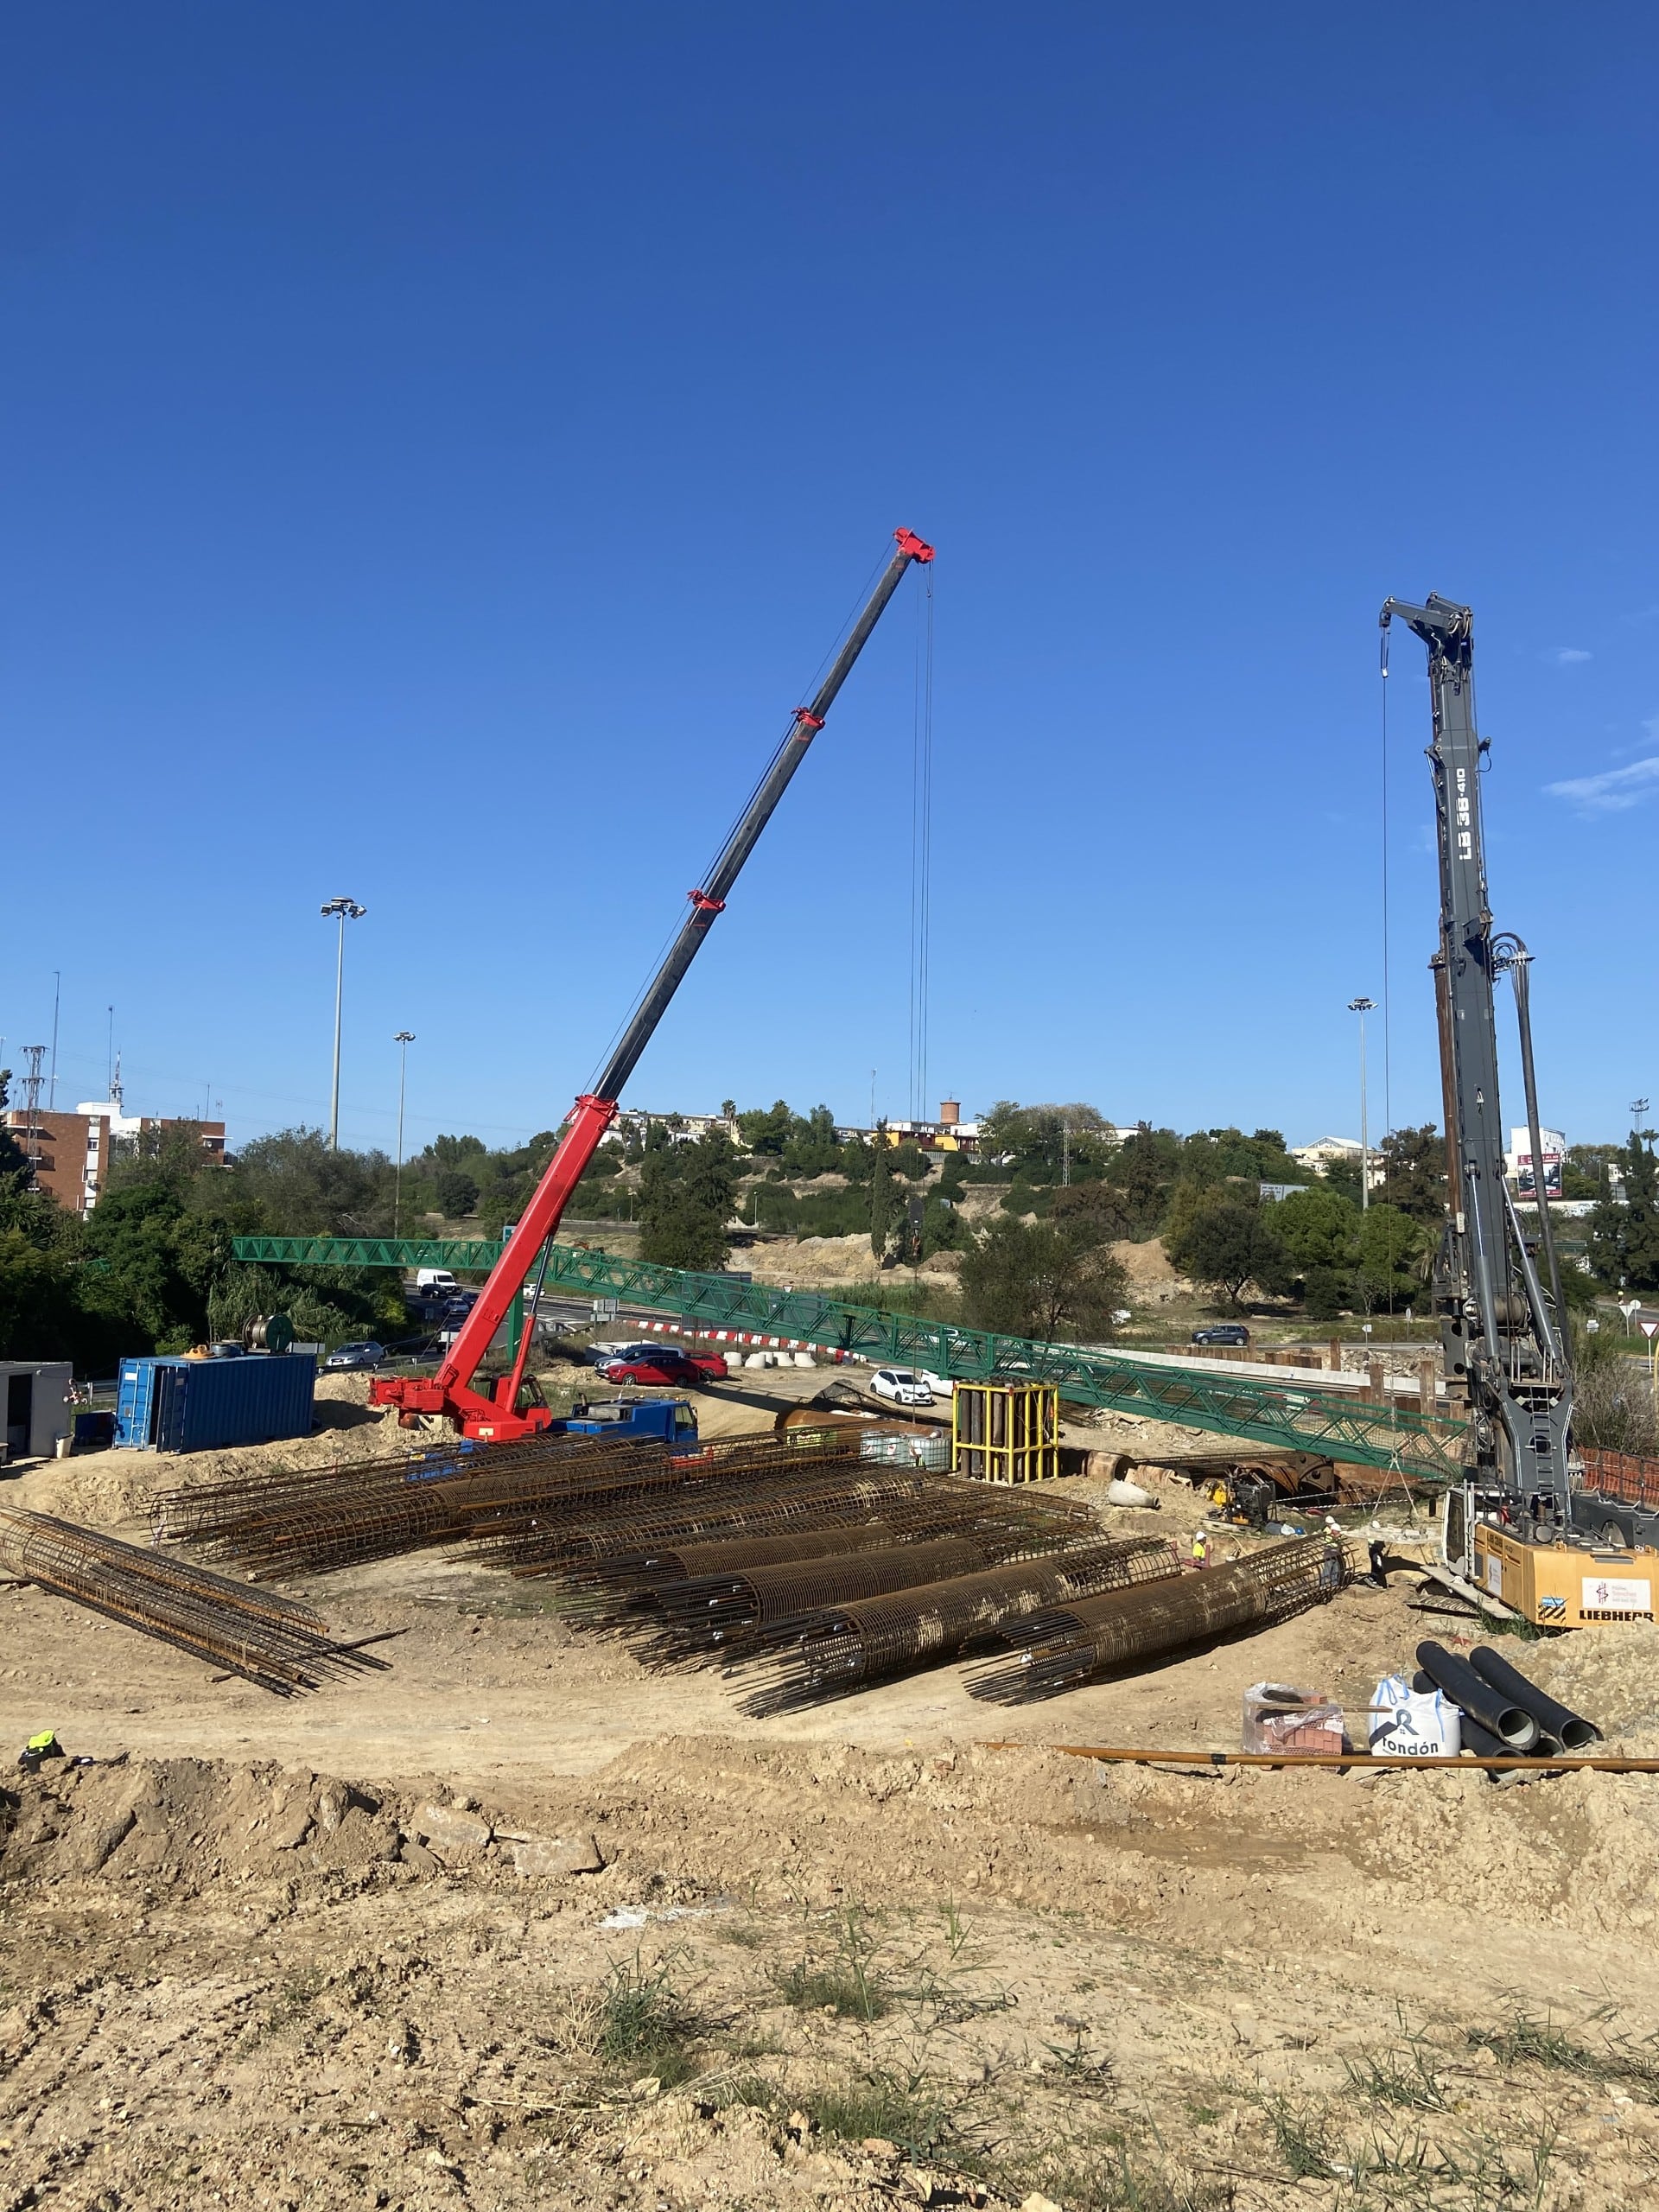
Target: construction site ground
(515, 1923)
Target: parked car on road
(666, 1366)
(1222, 1333)
(365, 1354)
(902, 1385)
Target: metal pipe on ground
(1571, 1730)
(1061, 1649)
(841, 1648)
(1500, 1714)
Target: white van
(432, 1281)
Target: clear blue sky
(442, 441)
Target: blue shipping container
(209, 1405)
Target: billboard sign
(1521, 1167)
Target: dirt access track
(514, 1923)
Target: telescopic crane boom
(452, 1392)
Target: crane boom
(1503, 1335)
(451, 1391)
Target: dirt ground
(514, 1923)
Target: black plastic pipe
(1493, 1711)
(1572, 1730)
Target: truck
(511, 1406)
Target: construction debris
(280, 1645)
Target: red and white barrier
(746, 1337)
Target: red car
(667, 1366)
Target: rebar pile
(739, 1505)
(1005, 1524)
(271, 1641)
(840, 1649)
(380, 1509)
(681, 1623)
(1060, 1648)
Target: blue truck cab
(672, 1420)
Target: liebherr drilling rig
(1523, 1527)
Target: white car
(902, 1385)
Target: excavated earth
(513, 1923)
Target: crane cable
(651, 974)
(1388, 1040)
(921, 844)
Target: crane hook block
(805, 715)
(916, 548)
(704, 903)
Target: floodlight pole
(345, 910)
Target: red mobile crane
(497, 1414)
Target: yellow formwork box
(1556, 1586)
(1006, 1432)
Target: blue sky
(440, 443)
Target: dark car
(366, 1353)
(1222, 1333)
(666, 1365)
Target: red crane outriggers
(495, 1414)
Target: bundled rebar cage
(841, 1648)
(272, 1641)
(379, 1508)
(1065, 1646)
(695, 1621)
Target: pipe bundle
(841, 1648)
(271, 1641)
(1063, 1648)
(1503, 1713)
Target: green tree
(1394, 1254)
(1144, 1167)
(1319, 1228)
(884, 1204)
(1099, 1211)
(1624, 1246)
(1227, 1239)
(1031, 1278)
(767, 1130)
(686, 1196)
(303, 1187)
(1414, 1172)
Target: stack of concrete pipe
(1505, 1715)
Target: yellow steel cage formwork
(1006, 1432)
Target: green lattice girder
(1338, 1424)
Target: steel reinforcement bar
(841, 1648)
(1063, 1648)
(1336, 1424)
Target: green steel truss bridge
(1336, 1424)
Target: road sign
(1648, 1327)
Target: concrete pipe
(1572, 1731)
(1498, 1714)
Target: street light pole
(347, 910)
(403, 1040)
(1361, 1007)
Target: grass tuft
(848, 1981)
(637, 2018)
(1523, 2040)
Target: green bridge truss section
(1333, 1423)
